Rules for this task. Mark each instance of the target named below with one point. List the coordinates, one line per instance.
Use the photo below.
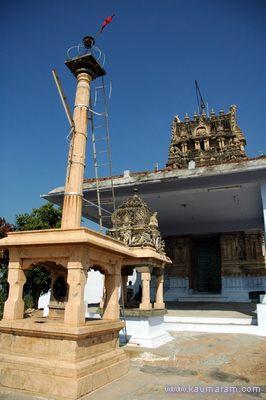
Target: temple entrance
(206, 269)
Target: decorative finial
(88, 42)
(212, 112)
(186, 117)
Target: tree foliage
(38, 282)
(44, 217)
(38, 279)
(5, 227)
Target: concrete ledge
(146, 331)
(43, 327)
(136, 312)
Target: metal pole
(63, 98)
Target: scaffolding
(100, 139)
(101, 150)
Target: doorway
(206, 268)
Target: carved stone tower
(206, 140)
(135, 225)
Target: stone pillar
(124, 288)
(184, 148)
(75, 307)
(111, 307)
(197, 145)
(206, 144)
(72, 206)
(263, 198)
(159, 303)
(146, 298)
(14, 306)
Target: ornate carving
(225, 140)
(135, 225)
(243, 252)
(178, 249)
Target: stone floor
(212, 309)
(213, 360)
(206, 309)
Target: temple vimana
(206, 140)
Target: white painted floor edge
(210, 320)
(214, 328)
(152, 341)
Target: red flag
(107, 21)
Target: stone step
(203, 298)
(169, 319)
(215, 328)
(213, 325)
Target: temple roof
(159, 186)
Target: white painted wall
(263, 199)
(234, 288)
(43, 303)
(94, 287)
(175, 288)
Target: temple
(211, 201)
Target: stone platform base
(261, 312)
(145, 328)
(50, 359)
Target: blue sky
(155, 50)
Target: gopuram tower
(206, 140)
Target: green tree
(38, 279)
(38, 282)
(5, 227)
(44, 217)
